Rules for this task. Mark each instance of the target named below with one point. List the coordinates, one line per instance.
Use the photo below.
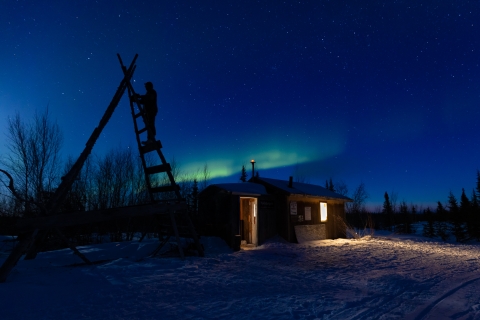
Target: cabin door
(248, 220)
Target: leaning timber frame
(32, 230)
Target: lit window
(323, 211)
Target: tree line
(459, 220)
(115, 179)
(456, 219)
(34, 167)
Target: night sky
(381, 92)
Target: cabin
(251, 212)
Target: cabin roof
(304, 189)
(242, 188)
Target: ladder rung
(150, 147)
(142, 130)
(164, 189)
(138, 115)
(157, 169)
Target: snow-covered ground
(374, 278)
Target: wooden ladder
(170, 210)
(160, 182)
(28, 242)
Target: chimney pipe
(290, 182)
(253, 168)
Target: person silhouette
(150, 108)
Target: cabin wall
(308, 213)
(219, 215)
(234, 220)
(267, 218)
(215, 215)
(282, 217)
(340, 219)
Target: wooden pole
(52, 206)
(66, 184)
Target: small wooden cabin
(257, 210)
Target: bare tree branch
(10, 184)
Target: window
(323, 211)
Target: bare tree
(341, 188)
(34, 156)
(299, 174)
(139, 194)
(185, 183)
(115, 180)
(103, 176)
(11, 201)
(5, 208)
(123, 171)
(205, 175)
(359, 197)
(81, 191)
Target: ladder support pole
(75, 250)
(131, 92)
(66, 184)
(194, 235)
(164, 167)
(69, 178)
(175, 230)
(16, 254)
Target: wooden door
(246, 217)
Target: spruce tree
(457, 228)
(464, 202)
(403, 226)
(478, 184)
(412, 218)
(243, 175)
(429, 227)
(466, 214)
(441, 228)
(331, 186)
(475, 215)
(388, 212)
(474, 199)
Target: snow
(247, 188)
(304, 189)
(379, 277)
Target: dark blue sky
(384, 92)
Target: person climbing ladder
(150, 108)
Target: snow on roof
(304, 189)
(246, 188)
